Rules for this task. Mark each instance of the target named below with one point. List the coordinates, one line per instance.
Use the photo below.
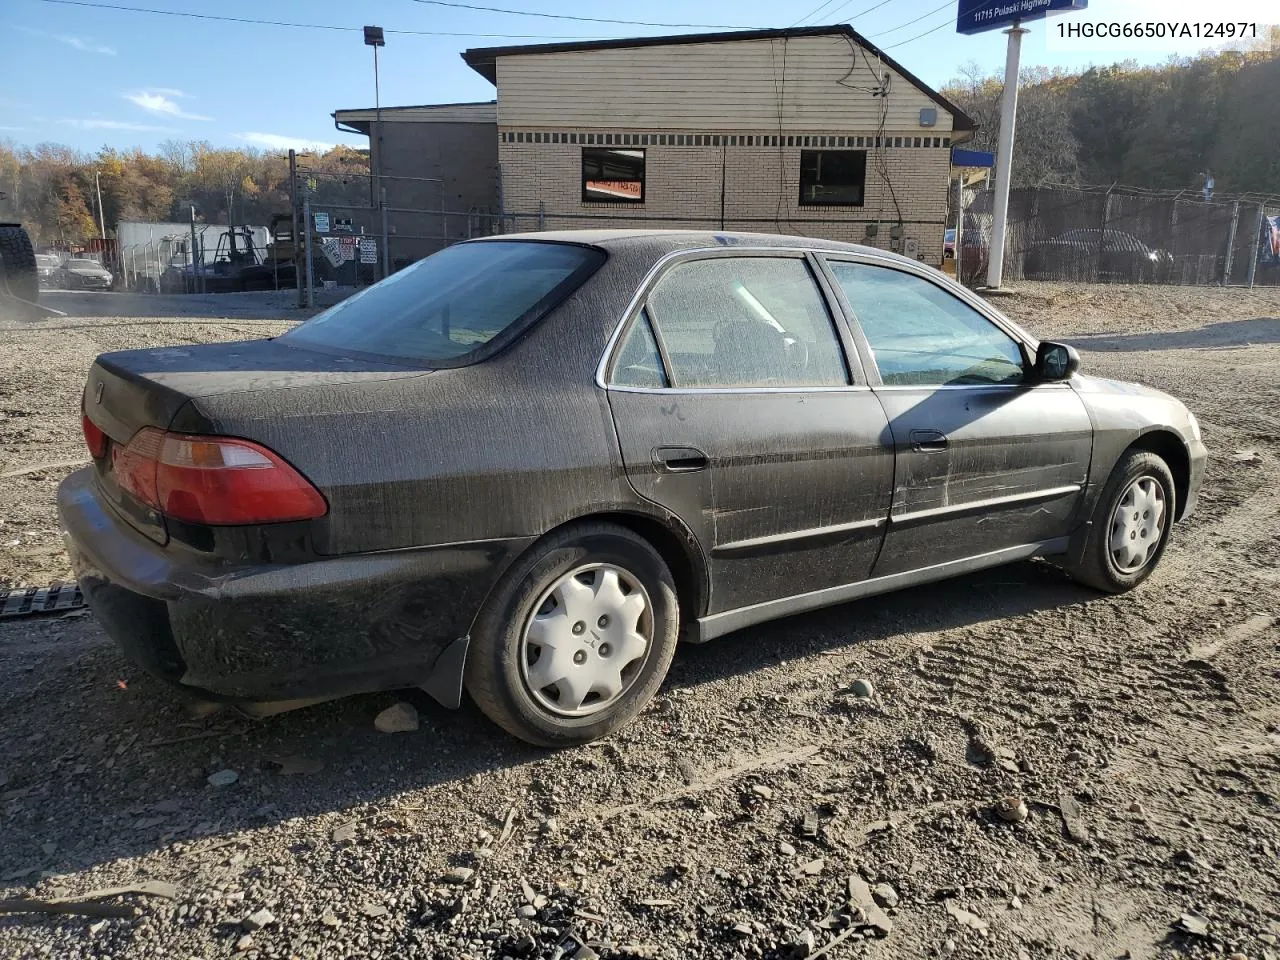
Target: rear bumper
(325, 628)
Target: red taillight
(94, 438)
(219, 481)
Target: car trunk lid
(131, 390)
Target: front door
(986, 459)
(736, 409)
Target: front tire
(576, 638)
(1130, 525)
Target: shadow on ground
(1230, 333)
(89, 739)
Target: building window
(612, 176)
(833, 177)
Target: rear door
(736, 409)
(987, 460)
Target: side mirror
(1056, 361)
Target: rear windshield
(448, 307)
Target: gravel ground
(1141, 732)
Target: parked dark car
(1111, 257)
(527, 464)
(80, 273)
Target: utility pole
(1004, 155)
(102, 220)
(195, 271)
(386, 237)
(293, 212)
(306, 216)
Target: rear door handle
(679, 459)
(928, 441)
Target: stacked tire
(18, 276)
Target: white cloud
(275, 141)
(161, 103)
(95, 124)
(88, 46)
(13, 129)
(80, 43)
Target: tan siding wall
(730, 85)
(682, 191)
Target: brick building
(808, 130)
(439, 165)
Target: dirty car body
(719, 395)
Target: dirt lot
(1142, 731)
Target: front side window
(612, 176)
(746, 322)
(923, 335)
(833, 177)
(453, 303)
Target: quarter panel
(509, 447)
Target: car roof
(662, 242)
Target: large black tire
(18, 274)
(1096, 565)
(498, 664)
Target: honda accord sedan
(524, 467)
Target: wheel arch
(665, 532)
(1170, 448)
(676, 545)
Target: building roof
(484, 60)
(477, 112)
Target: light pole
(1004, 156)
(373, 38)
(102, 220)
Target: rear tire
(1130, 525)
(18, 271)
(584, 599)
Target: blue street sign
(976, 16)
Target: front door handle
(928, 441)
(679, 459)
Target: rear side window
(746, 322)
(447, 308)
(639, 363)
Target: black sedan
(80, 273)
(527, 465)
(1111, 256)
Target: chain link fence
(1115, 235)
(343, 233)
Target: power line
(566, 16)
(814, 12)
(306, 26)
(903, 43)
(916, 20)
(849, 3)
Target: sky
(87, 77)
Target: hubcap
(1137, 525)
(586, 640)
